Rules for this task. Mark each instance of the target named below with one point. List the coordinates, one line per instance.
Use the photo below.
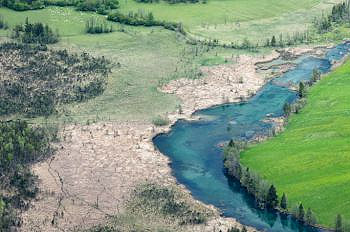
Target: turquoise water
(193, 146)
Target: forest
(20, 145)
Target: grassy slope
(309, 161)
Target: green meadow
(309, 161)
(236, 20)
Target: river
(193, 146)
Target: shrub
(96, 27)
(160, 121)
(34, 33)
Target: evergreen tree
(272, 198)
(310, 218)
(338, 224)
(283, 204)
(302, 90)
(273, 41)
(301, 213)
(316, 75)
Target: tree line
(303, 86)
(99, 6)
(340, 14)
(264, 193)
(173, 1)
(144, 19)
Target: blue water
(193, 146)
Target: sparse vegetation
(44, 79)
(156, 208)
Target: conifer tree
(338, 224)
(273, 41)
(301, 213)
(272, 198)
(283, 204)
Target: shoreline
(281, 124)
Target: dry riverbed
(97, 166)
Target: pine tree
(316, 75)
(310, 218)
(284, 202)
(301, 213)
(273, 41)
(338, 224)
(231, 143)
(272, 198)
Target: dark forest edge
(265, 193)
(21, 145)
(99, 6)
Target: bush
(143, 19)
(22, 5)
(160, 121)
(169, 203)
(34, 33)
(96, 27)
(99, 6)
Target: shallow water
(193, 146)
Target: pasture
(309, 161)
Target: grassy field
(229, 20)
(310, 160)
(147, 57)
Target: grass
(234, 20)
(147, 58)
(309, 161)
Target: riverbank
(100, 164)
(303, 138)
